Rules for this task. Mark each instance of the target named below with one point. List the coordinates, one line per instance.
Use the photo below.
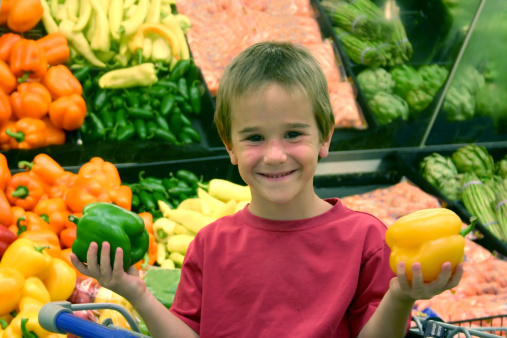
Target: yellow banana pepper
(225, 190)
(136, 41)
(61, 280)
(25, 257)
(192, 220)
(34, 288)
(163, 228)
(430, 237)
(11, 285)
(179, 243)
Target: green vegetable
(406, 78)
(459, 104)
(126, 132)
(451, 187)
(469, 78)
(95, 128)
(418, 100)
(141, 130)
(436, 168)
(491, 100)
(195, 98)
(162, 283)
(167, 104)
(433, 78)
(360, 51)
(179, 70)
(375, 80)
(387, 107)
(501, 167)
(120, 227)
(474, 159)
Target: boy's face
(275, 143)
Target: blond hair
(264, 63)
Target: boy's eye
(254, 138)
(293, 134)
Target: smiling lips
(278, 175)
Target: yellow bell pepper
(11, 285)
(115, 316)
(34, 288)
(29, 304)
(430, 237)
(61, 280)
(25, 322)
(24, 256)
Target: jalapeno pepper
(185, 138)
(81, 73)
(100, 99)
(162, 123)
(195, 97)
(169, 183)
(192, 73)
(176, 122)
(183, 87)
(126, 132)
(117, 102)
(95, 128)
(179, 70)
(141, 113)
(151, 128)
(107, 117)
(179, 99)
(179, 191)
(155, 103)
(158, 90)
(187, 108)
(192, 133)
(167, 104)
(140, 127)
(189, 177)
(131, 98)
(121, 117)
(165, 135)
(136, 202)
(147, 200)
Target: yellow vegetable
(168, 264)
(177, 258)
(61, 280)
(115, 316)
(196, 204)
(29, 304)
(228, 209)
(35, 288)
(241, 205)
(225, 190)
(214, 203)
(192, 220)
(179, 243)
(161, 253)
(163, 228)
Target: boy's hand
(405, 291)
(127, 284)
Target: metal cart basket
(434, 327)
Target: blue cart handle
(58, 317)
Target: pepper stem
(45, 217)
(3, 324)
(24, 330)
(21, 192)
(139, 55)
(470, 227)
(73, 219)
(23, 78)
(19, 136)
(25, 164)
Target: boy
(289, 264)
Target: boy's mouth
(278, 175)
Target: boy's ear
(232, 155)
(324, 147)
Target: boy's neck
(310, 207)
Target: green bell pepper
(120, 227)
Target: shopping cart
(58, 317)
(434, 327)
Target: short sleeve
(373, 283)
(188, 298)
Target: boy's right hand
(127, 284)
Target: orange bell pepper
(6, 140)
(5, 7)
(151, 254)
(28, 133)
(45, 167)
(5, 173)
(7, 40)
(5, 210)
(28, 60)
(24, 190)
(30, 221)
(123, 197)
(9, 82)
(56, 47)
(86, 190)
(56, 211)
(30, 100)
(63, 184)
(148, 220)
(105, 172)
(68, 112)
(60, 82)
(54, 136)
(24, 15)
(68, 236)
(44, 238)
(5, 107)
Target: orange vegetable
(152, 253)
(148, 221)
(28, 60)
(5, 107)
(123, 197)
(54, 136)
(63, 184)
(30, 100)
(5, 173)
(68, 236)
(44, 237)
(60, 82)
(5, 140)
(5, 7)
(45, 167)
(5, 210)
(30, 221)
(7, 40)
(86, 190)
(28, 133)
(68, 112)
(24, 15)
(56, 211)
(24, 190)
(56, 47)
(9, 82)
(105, 172)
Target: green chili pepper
(117, 102)
(165, 135)
(136, 202)
(155, 103)
(100, 99)
(179, 99)
(84, 127)
(162, 123)
(169, 183)
(113, 134)
(96, 130)
(187, 108)
(125, 229)
(182, 184)
(87, 86)
(192, 73)
(121, 117)
(176, 122)
(192, 133)
(107, 117)
(179, 191)
(158, 90)
(188, 176)
(158, 196)
(170, 85)
(82, 73)
(195, 98)
(179, 70)
(141, 113)
(149, 179)
(147, 200)
(183, 87)
(126, 133)
(151, 128)
(140, 127)
(131, 98)
(184, 138)
(167, 104)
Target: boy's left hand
(407, 291)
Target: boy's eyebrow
(289, 125)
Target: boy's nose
(275, 153)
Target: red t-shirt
(245, 276)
